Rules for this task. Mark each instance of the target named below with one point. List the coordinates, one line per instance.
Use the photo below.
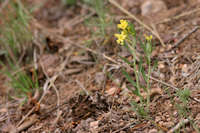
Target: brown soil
(92, 102)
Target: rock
(152, 7)
(153, 131)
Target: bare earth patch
(90, 101)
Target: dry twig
(179, 16)
(59, 113)
(33, 119)
(185, 36)
(181, 123)
(127, 126)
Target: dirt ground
(83, 98)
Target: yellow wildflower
(121, 37)
(123, 24)
(148, 38)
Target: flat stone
(152, 7)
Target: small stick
(32, 120)
(23, 119)
(57, 93)
(185, 36)
(127, 126)
(59, 113)
(137, 20)
(164, 83)
(179, 16)
(181, 123)
(52, 84)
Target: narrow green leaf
(129, 78)
(134, 91)
(125, 60)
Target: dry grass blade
(127, 126)
(181, 123)
(95, 52)
(179, 16)
(137, 20)
(185, 36)
(33, 119)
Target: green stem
(132, 50)
(148, 83)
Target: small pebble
(153, 131)
(152, 6)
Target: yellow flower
(121, 37)
(148, 38)
(123, 24)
